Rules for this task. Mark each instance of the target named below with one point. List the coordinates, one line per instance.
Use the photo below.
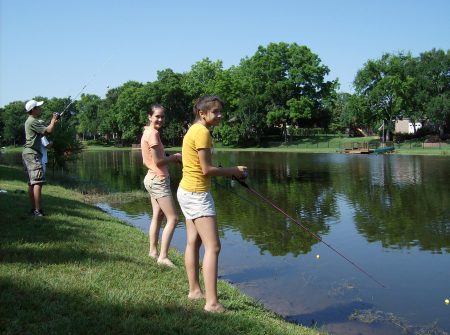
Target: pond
(385, 215)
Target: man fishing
(32, 152)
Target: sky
(57, 48)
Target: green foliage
(202, 77)
(385, 86)
(2, 124)
(173, 132)
(400, 86)
(131, 110)
(432, 97)
(280, 85)
(13, 119)
(88, 118)
(284, 85)
(108, 125)
(65, 145)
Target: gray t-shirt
(34, 130)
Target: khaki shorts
(33, 167)
(196, 204)
(157, 188)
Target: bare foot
(153, 254)
(166, 262)
(216, 308)
(195, 295)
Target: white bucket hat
(31, 104)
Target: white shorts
(196, 204)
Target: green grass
(312, 144)
(80, 271)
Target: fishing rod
(82, 89)
(244, 184)
(216, 183)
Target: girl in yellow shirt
(197, 203)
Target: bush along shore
(80, 271)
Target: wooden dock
(368, 148)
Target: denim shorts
(157, 188)
(196, 204)
(33, 167)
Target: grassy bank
(314, 144)
(80, 271)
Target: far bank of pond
(313, 144)
(317, 146)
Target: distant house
(405, 126)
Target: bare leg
(37, 190)
(168, 208)
(191, 260)
(207, 230)
(155, 225)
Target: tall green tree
(337, 122)
(169, 91)
(355, 114)
(88, 118)
(131, 110)
(13, 118)
(386, 87)
(65, 145)
(283, 84)
(201, 79)
(2, 125)
(108, 125)
(432, 98)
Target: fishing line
(216, 183)
(244, 184)
(82, 89)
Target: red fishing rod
(243, 183)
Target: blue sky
(52, 48)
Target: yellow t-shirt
(197, 137)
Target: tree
(14, 116)
(432, 98)
(131, 111)
(386, 87)
(88, 118)
(108, 125)
(65, 146)
(168, 90)
(338, 121)
(283, 84)
(201, 79)
(2, 125)
(355, 113)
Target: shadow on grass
(57, 238)
(28, 309)
(12, 174)
(43, 310)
